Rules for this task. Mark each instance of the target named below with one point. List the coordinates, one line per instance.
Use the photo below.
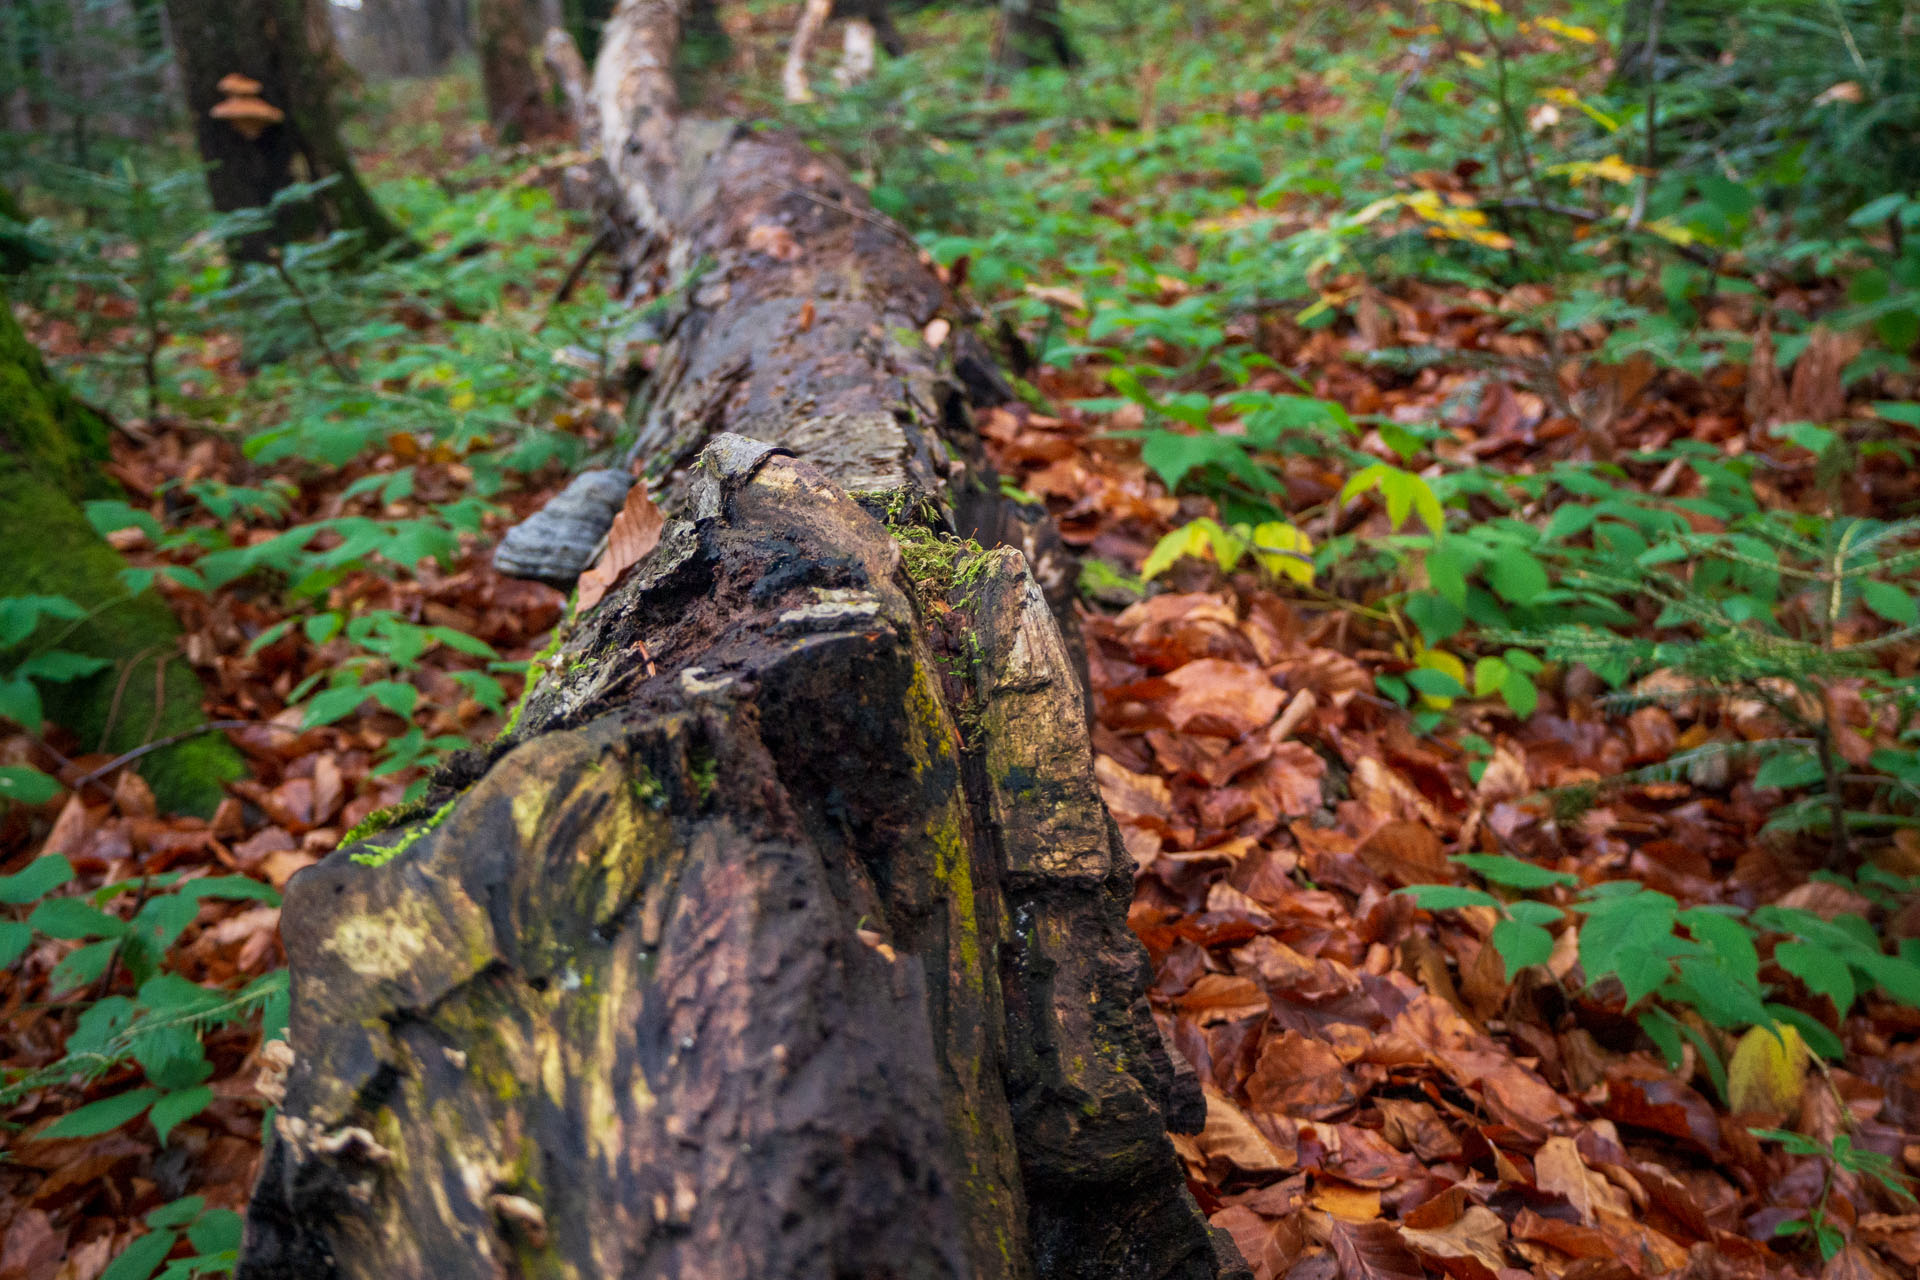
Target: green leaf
(163, 918)
(333, 704)
(36, 880)
(1530, 912)
(71, 918)
(139, 1260)
(1518, 577)
(15, 937)
(323, 627)
(1520, 694)
(19, 615)
(102, 1116)
(1498, 868)
(59, 666)
(1823, 971)
(1812, 1030)
(1437, 617)
(1790, 770)
(20, 703)
(1664, 1031)
(1434, 683)
(1447, 897)
(83, 965)
(217, 1231)
(178, 1213)
(1521, 945)
(1890, 602)
(231, 888)
(1898, 978)
(26, 785)
(1730, 940)
(176, 1107)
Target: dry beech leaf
(1373, 1251)
(1214, 696)
(1231, 1137)
(635, 531)
(1347, 1203)
(1404, 853)
(1557, 1167)
(1477, 1235)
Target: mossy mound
(52, 451)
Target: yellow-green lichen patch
(378, 946)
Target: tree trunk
(287, 47)
(519, 100)
(52, 453)
(784, 936)
(1031, 34)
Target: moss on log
(52, 451)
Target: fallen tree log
(784, 934)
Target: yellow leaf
(1198, 539)
(1611, 169)
(1768, 1071)
(1478, 6)
(1583, 35)
(1568, 98)
(1284, 551)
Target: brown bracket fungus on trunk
(785, 936)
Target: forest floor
(1385, 1101)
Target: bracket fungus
(243, 107)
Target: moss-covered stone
(52, 448)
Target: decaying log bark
(784, 936)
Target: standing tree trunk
(286, 46)
(1031, 34)
(53, 451)
(784, 936)
(520, 102)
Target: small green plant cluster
(162, 1026)
(1682, 970)
(345, 381)
(1838, 1155)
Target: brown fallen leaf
(1404, 853)
(1557, 1167)
(1477, 1236)
(1298, 1075)
(635, 532)
(1234, 1141)
(1219, 697)
(1373, 1251)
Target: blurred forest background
(1487, 428)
